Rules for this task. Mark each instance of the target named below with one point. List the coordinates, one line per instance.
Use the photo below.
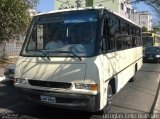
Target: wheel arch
(136, 67)
(112, 83)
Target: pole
(79, 3)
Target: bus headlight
(158, 56)
(23, 81)
(93, 87)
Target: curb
(157, 107)
(156, 110)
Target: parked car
(9, 71)
(151, 54)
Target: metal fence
(10, 48)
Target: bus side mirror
(104, 45)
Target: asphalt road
(136, 97)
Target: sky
(45, 5)
(144, 7)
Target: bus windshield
(60, 34)
(147, 41)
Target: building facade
(121, 7)
(32, 12)
(67, 4)
(143, 19)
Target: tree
(153, 3)
(31, 3)
(14, 17)
(144, 29)
(89, 3)
(155, 29)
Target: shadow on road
(44, 112)
(11, 103)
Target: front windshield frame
(35, 23)
(153, 49)
(147, 41)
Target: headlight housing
(158, 56)
(92, 87)
(22, 81)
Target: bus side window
(109, 34)
(105, 34)
(134, 37)
(114, 31)
(119, 42)
(139, 41)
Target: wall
(143, 19)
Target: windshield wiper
(59, 51)
(43, 52)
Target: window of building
(122, 6)
(129, 12)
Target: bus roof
(86, 8)
(149, 33)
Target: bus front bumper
(83, 102)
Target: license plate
(150, 58)
(11, 75)
(48, 99)
(158, 56)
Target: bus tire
(109, 101)
(134, 77)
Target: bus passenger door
(113, 58)
(108, 47)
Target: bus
(150, 39)
(94, 53)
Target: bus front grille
(50, 84)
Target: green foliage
(155, 29)
(144, 29)
(14, 17)
(31, 3)
(89, 3)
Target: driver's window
(36, 38)
(32, 41)
(39, 36)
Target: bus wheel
(133, 78)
